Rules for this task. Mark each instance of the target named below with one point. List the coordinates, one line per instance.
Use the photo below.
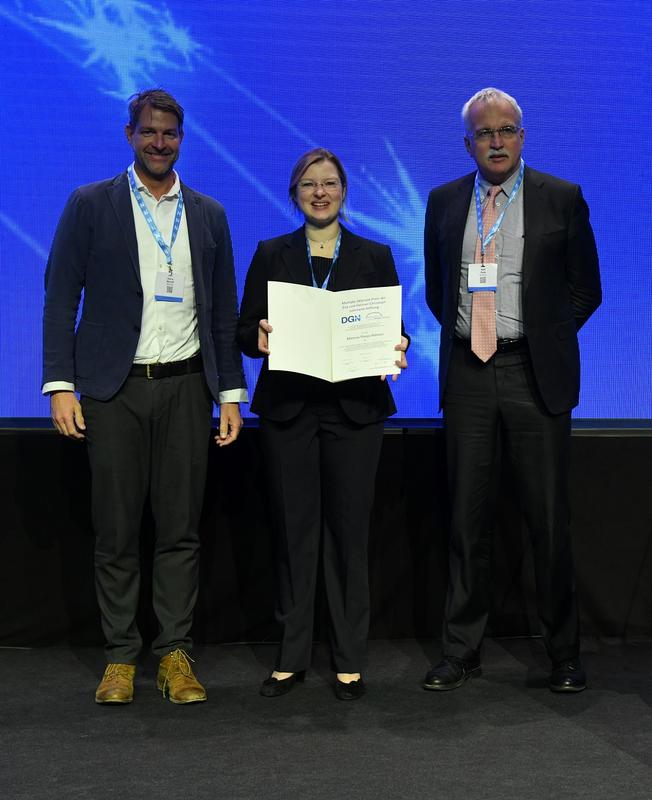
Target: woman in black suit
(321, 441)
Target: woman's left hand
(401, 363)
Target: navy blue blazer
(95, 250)
(561, 278)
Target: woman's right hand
(263, 329)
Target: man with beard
(153, 348)
(511, 273)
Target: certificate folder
(334, 336)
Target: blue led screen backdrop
(379, 83)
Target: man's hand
(402, 361)
(263, 329)
(230, 424)
(66, 414)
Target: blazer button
(137, 328)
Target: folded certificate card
(334, 336)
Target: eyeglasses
(330, 185)
(486, 134)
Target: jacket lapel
(194, 221)
(533, 222)
(350, 261)
(295, 259)
(455, 224)
(120, 198)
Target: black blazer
(279, 395)
(95, 250)
(561, 278)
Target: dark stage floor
(501, 736)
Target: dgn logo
(352, 318)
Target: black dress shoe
(273, 687)
(451, 673)
(349, 691)
(568, 676)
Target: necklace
(321, 244)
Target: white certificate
(334, 335)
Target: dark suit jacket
(95, 250)
(561, 279)
(279, 395)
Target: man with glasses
(511, 273)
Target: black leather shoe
(568, 676)
(451, 673)
(273, 687)
(349, 691)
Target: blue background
(379, 83)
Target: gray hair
(490, 95)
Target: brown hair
(156, 98)
(307, 160)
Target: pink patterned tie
(483, 304)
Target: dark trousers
(150, 439)
(322, 471)
(485, 403)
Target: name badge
(169, 287)
(483, 277)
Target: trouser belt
(167, 370)
(502, 345)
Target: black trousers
(322, 470)
(485, 404)
(150, 439)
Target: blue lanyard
(336, 253)
(484, 241)
(156, 233)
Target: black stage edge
(46, 569)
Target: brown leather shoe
(117, 685)
(176, 679)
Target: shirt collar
(174, 190)
(505, 187)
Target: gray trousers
(151, 439)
